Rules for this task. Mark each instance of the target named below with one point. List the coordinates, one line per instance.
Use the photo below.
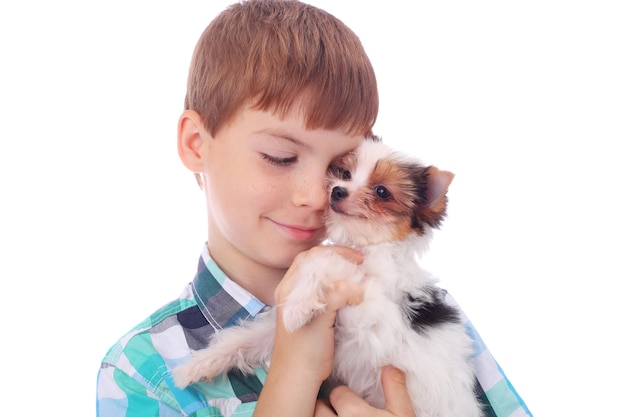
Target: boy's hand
(303, 359)
(310, 348)
(346, 403)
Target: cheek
(254, 195)
(246, 184)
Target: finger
(397, 400)
(348, 253)
(323, 409)
(345, 252)
(347, 403)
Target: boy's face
(265, 184)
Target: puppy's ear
(432, 208)
(438, 183)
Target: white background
(100, 224)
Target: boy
(278, 92)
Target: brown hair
(274, 52)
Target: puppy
(385, 205)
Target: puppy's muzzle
(338, 194)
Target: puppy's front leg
(319, 274)
(241, 347)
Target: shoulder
(147, 338)
(138, 365)
(154, 344)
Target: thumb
(397, 400)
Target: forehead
(291, 128)
(370, 156)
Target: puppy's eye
(382, 192)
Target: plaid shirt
(135, 377)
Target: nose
(338, 193)
(310, 192)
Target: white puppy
(384, 204)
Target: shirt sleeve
(135, 380)
(121, 395)
(493, 387)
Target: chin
(386, 205)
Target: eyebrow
(281, 134)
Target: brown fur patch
(397, 179)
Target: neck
(258, 280)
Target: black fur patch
(429, 310)
(485, 405)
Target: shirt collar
(222, 301)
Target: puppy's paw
(201, 366)
(309, 296)
(299, 311)
(241, 347)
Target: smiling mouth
(298, 232)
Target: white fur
(375, 333)
(369, 335)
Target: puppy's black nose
(338, 193)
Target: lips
(299, 232)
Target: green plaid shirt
(135, 378)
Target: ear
(191, 135)
(438, 183)
(432, 211)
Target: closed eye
(275, 160)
